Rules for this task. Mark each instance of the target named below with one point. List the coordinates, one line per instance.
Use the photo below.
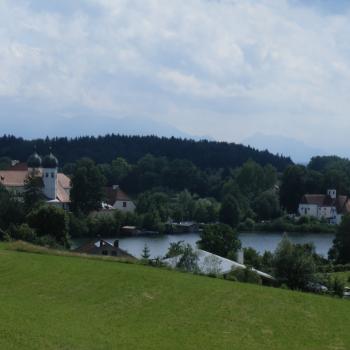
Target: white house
(117, 199)
(55, 186)
(325, 206)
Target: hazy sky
(224, 68)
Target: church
(55, 186)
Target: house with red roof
(330, 206)
(118, 199)
(55, 186)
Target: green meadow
(67, 302)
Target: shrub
(244, 275)
(338, 286)
(189, 260)
(23, 233)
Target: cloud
(225, 68)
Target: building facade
(118, 199)
(329, 207)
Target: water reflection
(158, 245)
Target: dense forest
(204, 154)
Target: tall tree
(33, 192)
(220, 239)
(229, 211)
(293, 187)
(341, 244)
(266, 205)
(146, 254)
(294, 264)
(87, 187)
(11, 209)
(49, 220)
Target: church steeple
(50, 165)
(34, 161)
(50, 161)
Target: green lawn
(59, 302)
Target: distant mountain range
(297, 150)
(38, 127)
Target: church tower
(50, 169)
(34, 163)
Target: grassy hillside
(62, 302)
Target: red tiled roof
(13, 178)
(19, 166)
(62, 195)
(342, 203)
(96, 248)
(115, 194)
(16, 178)
(63, 180)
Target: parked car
(316, 287)
(346, 293)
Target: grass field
(62, 302)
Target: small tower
(50, 168)
(332, 193)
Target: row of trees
(178, 191)
(104, 149)
(254, 187)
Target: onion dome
(50, 162)
(34, 161)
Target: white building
(211, 263)
(118, 199)
(325, 206)
(55, 186)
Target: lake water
(158, 245)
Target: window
(124, 204)
(105, 252)
(114, 253)
(52, 175)
(47, 174)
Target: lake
(261, 241)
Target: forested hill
(103, 149)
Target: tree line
(103, 149)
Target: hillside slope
(52, 302)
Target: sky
(224, 69)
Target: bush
(103, 225)
(189, 260)
(252, 258)
(51, 221)
(247, 225)
(338, 286)
(23, 233)
(244, 275)
(294, 263)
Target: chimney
(332, 193)
(240, 256)
(116, 243)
